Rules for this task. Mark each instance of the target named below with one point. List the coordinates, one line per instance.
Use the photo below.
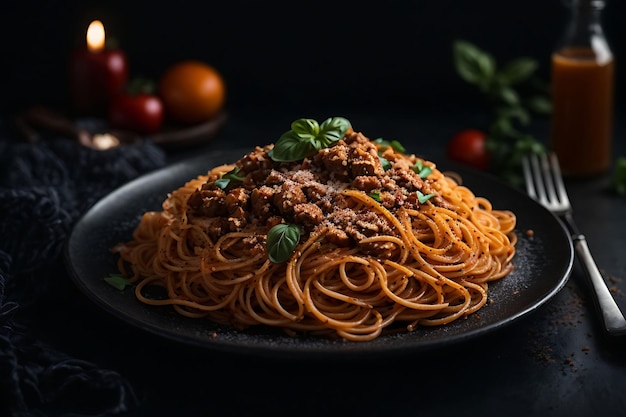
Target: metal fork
(544, 183)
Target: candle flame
(95, 36)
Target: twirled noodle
(438, 259)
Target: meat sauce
(308, 192)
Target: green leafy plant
(306, 137)
(514, 94)
(282, 239)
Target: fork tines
(544, 181)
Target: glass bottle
(582, 93)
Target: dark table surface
(556, 361)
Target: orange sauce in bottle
(582, 114)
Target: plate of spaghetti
(325, 242)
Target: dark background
(391, 62)
(299, 56)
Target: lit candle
(97, 73)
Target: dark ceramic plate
(543, 266)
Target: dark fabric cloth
(44, 188)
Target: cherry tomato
(192, 92)
(468, 147)
(141, 112)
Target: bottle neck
(587, 12)
(584, 34)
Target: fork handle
(614, 320)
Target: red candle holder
(96, 73)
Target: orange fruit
(192, 92)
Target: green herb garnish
(306, 137)
(282, 239)
(422, 198)
(385, 163)
(375, 195)
(394, 144)
(422, 170)
(228, 177)
(118, 281)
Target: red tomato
(141, 112)
(468, 147)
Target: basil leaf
(232, 174)
(514, 113)
(375, 195)
(282, 239)
(517, 71)
(423, 198)
(290, 147)
(306, 136)
(118, 281)
(305, 128)
(472, 64)
(333, 129)
(539, 104)
(508, 96)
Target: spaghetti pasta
(387, 243)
